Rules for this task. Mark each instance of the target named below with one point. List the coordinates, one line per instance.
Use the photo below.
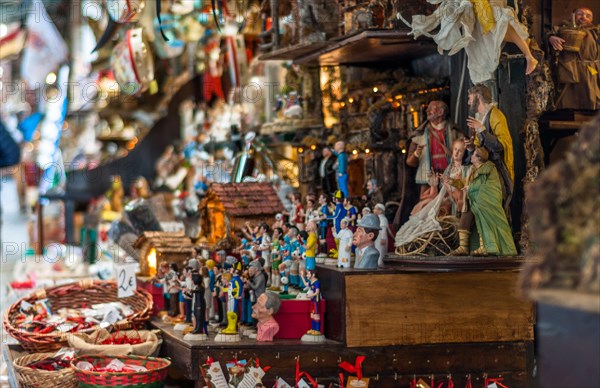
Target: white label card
(215, 375)
(282, 384)
(251, 378)
(303, 384)
(126, 280)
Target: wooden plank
(292, 52)
(332, 285)
(574, 125)
(426, 308)
(370, 46)
(454, 263)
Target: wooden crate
(399, 307)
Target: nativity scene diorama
(355, 169)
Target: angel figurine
(480, 27)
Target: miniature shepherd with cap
(367, 255)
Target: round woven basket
(152, 378)
(35, 378)
(74, 295)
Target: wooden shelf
(292, 52)
(454, 263)
(566, 125)
(371, 46)
(439, 326)
(116, 139)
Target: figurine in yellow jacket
(491, 132)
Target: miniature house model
(154, 247)
(226, 207)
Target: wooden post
(39, 209)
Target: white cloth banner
(45, 49)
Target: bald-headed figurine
(578, 70)
(430, 147)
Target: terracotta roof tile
(248, 199)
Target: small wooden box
(427, 306)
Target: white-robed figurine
(345, 247)
(381, 241)
(478, 26)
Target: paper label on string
(302, 384)
(215, 377)
(251, 378)
(282, 384)
(126, 280)
(354, 382)
(492, 385)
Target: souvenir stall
(289, 194)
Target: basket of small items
(46, 370)
(118, 343)
(43, 321)
(121, 371)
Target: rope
(460, 88)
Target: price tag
(354, 382)
(302, 384)
(126, 281)
(282, 384)
(215, 376)
(252, 377)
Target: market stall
(285, 193)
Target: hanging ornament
(172, 46)
(125, 11)
(235, 58)
(132, 63)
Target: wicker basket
(91, 343)
(35, 378)
(73, 295)
(152, 378)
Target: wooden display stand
(413, 304)
(409, 319)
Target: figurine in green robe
(483, 192)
